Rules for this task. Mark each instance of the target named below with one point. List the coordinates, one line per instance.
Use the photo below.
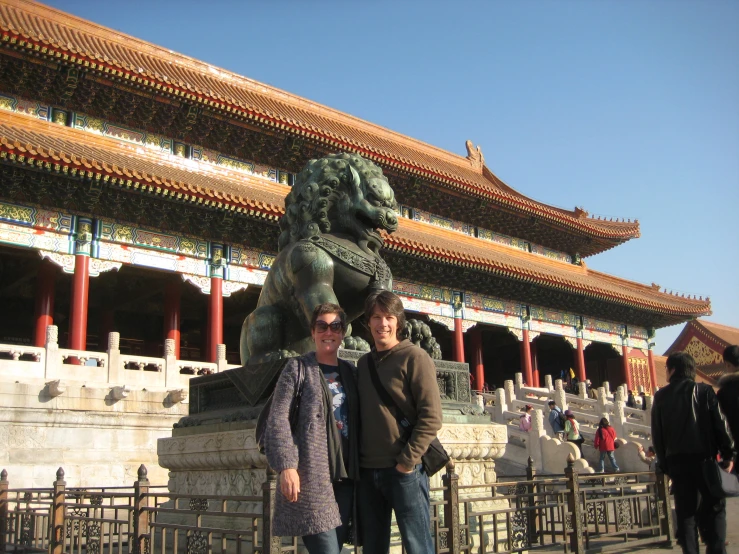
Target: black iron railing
(571, 512)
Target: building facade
(140, 192)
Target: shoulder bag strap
(403, 422)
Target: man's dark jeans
(331, 542)
(695, 508)
(382, 491)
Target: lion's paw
(355, 343)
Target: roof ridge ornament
(474, 155)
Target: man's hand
(402, 469)
(290, 484)
(728, 468)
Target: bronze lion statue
(328, 252)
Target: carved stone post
(533, 444)
(602, 400)
(560, 397)
(141, 529)
(510, 391)
(577, 543)
(58, 524)
(53, 361)
(3, 509)
(618, 419)
(607, 386)
(221, 357)
(171, 370)
(517, 384)
(270, 543)
(501, 406)
(648, 412)
(115, 366)
(548, 382)
(582, 390)
(664, 509)
(451, 508)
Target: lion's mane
(308, 206)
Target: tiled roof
(54, 34)
(417, 238)
(63, 150)
(727, 335)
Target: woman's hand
(290, 484)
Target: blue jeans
(611, 458)
(382, 491)
(331, 542)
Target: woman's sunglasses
(322, 326)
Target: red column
(534, 364)
(652, 370)
(215, 317)
(78, 307)
(526, 351)
(458, 340)
(44, 312)
(172, 296)
(625, 361)
(580, 361)
(477, 359)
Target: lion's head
(340, 194)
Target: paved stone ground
(732, 531)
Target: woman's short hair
(328, 308)
(388, 303)
(682, 364)
(603, 422)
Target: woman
(318, 462)
(605, 441)
(524, 422)
(572, 431)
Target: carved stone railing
(104, 368)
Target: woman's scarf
(335, 457)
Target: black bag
(436, 458)
(294, 409)
(720, 483)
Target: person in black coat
(688, 428)
(728, 392)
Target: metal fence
(569, 513)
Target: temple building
(706, 342)
(140, 191)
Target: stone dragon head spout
(341, 194)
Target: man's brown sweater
(409, 376)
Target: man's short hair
(328, 308)
(551, 402)
(682, 364)
(388, 303)
(731, 355)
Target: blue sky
(627, 108)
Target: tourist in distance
(318, 463)
(728, 392)
(650, 458)
(556, 420)
(392, 476)
(687, 429)
(605, 442)
(572, 430)
(630, 400)
(643, 397)
(524, 422)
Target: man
(687, 428)
(556, 420)
(728, 393)
(392, 477)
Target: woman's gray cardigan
(316, 510)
